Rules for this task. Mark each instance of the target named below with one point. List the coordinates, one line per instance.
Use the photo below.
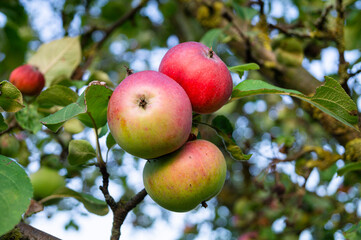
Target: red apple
(202, 74)
(187, 177)
(149, 115)
(28, 79)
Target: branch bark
(122, 211)
(30, 233)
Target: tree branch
(12, 125)
(30, 233)
(108, 198)
(321, 21)
(350, 74)
(122, 211)
(340, 43)
(304, 34)
(78, 73)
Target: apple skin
(28, 79)
(204, 76)
(149, 115)
(187, 177)
(9, 146)
(45, 182)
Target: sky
(49, 27)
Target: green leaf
(96, 100)
(91, 203)
(223, 124)
(211, 37)
(354, 233)
(224, 129)
(80, 151)
(355, 166)
(15, 193)
(3, 124)
(330, 98)
(103, 131)
(57, 58)
(56, 95)
(244, 12)
(93, 102)
(244, 67)
(68, 83)
(29, 119)
(240, 69)
(110, 141)
(11, 99)
(56, 120)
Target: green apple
(45, 182)
(187, 177)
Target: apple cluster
(150, 116)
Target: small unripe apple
(45, 182)
(187, 177)
(9, 145)
(28, 79)
(149, 115)
(202, 74)
(73, 126)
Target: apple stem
(210, 53)
(204, 204)
(192, 137)
(128, 70)
(35, 68)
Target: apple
(28, 79)
(9, 145)
(187, 177)
(149, 115)
(202, 74)
(45, 182)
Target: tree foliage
(291, 140)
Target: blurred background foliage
(289, 188)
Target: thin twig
(119, 209)
(340, 43)
(78, 73)
(355, 73)
(103, 169)
(321, 21)
(299, 34)
(12, 125)
(293, 157)
(108, 198)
